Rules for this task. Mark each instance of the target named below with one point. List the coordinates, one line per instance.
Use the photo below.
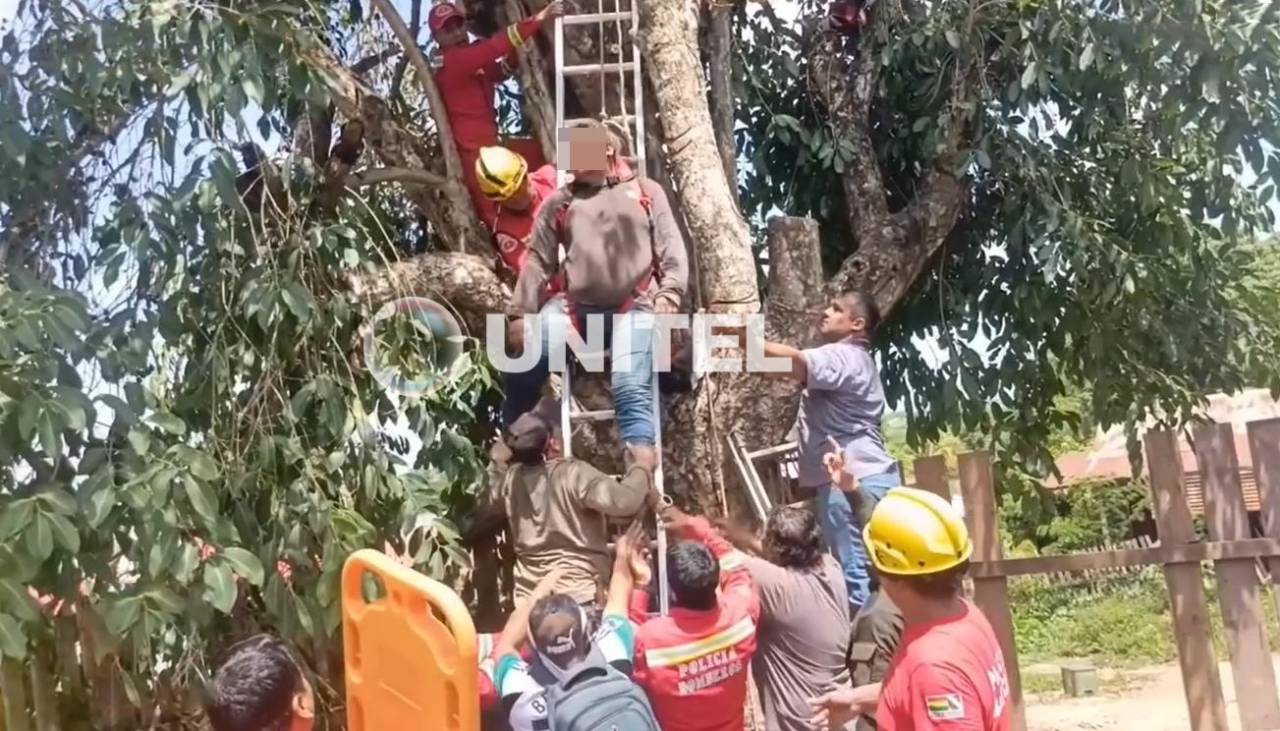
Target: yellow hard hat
(914, 532)
(500, 172)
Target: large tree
(1049, 193)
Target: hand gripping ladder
(635, 123)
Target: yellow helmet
(914, 532)
(500, 172)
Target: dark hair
(566, 643)
(792, 538)
(253, 689)
(864, 306)
(942, 585)
(693, 574)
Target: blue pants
(631, 346)
(844, 536)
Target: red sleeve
(478, 56)
(638, 608)
(942, 697)
(736, 585)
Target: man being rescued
(623, 256)
(467, 78)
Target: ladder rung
(598, 68)
(595, 18)
(601, 415)
(787, 447)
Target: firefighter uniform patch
(947, 707)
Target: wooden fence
(1179, 551)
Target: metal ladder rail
(635, 121)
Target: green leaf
(59, 501)
(65, 533)
(169, 423)
(202, 499)
(15, 600)
(122, 614)
(953, 39)
(13, 641)
(140, 440)
(1029, 75)
(50, 441)
(16, 516)
(1086, 57)
(297, 300)
(100, 504)
(220, 586)
(161, 554)
(203, 466)
(245, 564)
(123, 413)
(178, 84)
(39, 537)
(164, 601)
(29, 416)
(252, 87)
(184, 567)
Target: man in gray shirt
(804, 616)
(842, 404)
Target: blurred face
(586, 153)
(840, 320)
(452, 33)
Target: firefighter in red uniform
(467, 78)
(693, 662)
(504, 178)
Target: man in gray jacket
(623, 255)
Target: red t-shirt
(511, 229)
(946, 675)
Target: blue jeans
(844, 535)
(631, 346)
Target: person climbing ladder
(624, 255)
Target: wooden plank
(1238, 585)
(1252, 548)
(991, 593)
(1264, 445)
(1201, 683)
(931, 475)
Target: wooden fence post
(931, 475)
(1264, 445)
(1238, 585)
(1200, 680)
(991, 593)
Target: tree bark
(669, 37)
(720, 71)
(539, 104)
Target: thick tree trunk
(720, 71)
(463, 282)
(669, 37)
(539, 103)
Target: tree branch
(846, 86)
(373, 61)
(377, 176)
(462, 282)
(415, 26)
(720, 68)
(539, 103)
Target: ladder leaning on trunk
(635, 127)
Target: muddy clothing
(557, 514)
(876, 632)
(512, 229)
(804, 618)
(613, 245)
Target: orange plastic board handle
(410, 654)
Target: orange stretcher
(410, 650)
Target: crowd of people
(846, 610)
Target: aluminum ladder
(635, 125)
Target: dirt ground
(1153, 701)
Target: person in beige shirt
(558, 509)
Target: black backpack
(598, 697)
